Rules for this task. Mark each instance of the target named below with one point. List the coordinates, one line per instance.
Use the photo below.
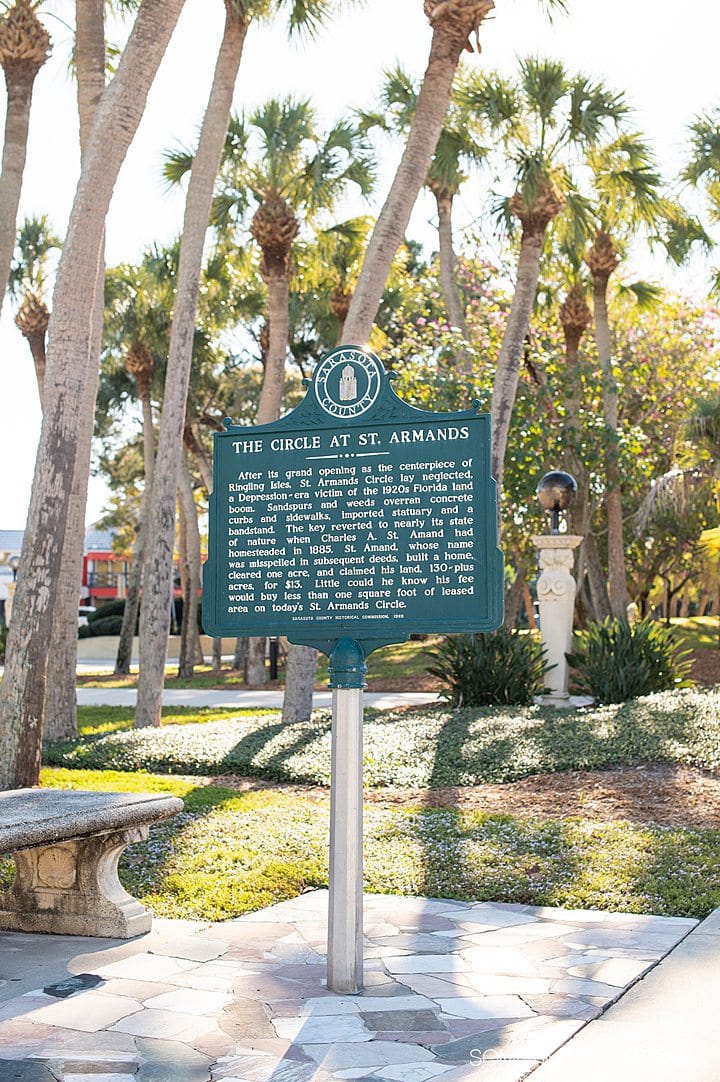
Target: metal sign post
(351, 523)
(345, 915)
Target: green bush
(619, 661)
(108, 625)
(109, 608)
(501, 668)
(117, 608)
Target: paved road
(268, 699)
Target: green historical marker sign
(355, 516)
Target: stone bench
(66, 845)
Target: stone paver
(459, 992)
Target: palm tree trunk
(69, 371)
(513, 600)
(269, 410)
(448, 41)
(17, 119)
(157, 588)
(123, 657)
(189, 630)
(596, 578)
(36, 341)
(204, 465)
(617, 575)
(197, 450)
(511, 351)
(448, 264)
(61, 697)
(279, 335)
(299, 683)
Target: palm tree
(205, 165)
(138, 304)
(24, 47)
(296, 174)
(455, 27)
(61, 699)
(27, 283)
(542, 120)
(457, 150)
(575, 320)
(627, 198)
(69, 373)
(299, 174)
(206, 162)
(454, 23)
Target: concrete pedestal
(556, 597)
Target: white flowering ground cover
(430, 747)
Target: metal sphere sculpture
(556, 492)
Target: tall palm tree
(576, 320)
(295, 174)
(454, 23)
(61, 698)
(138, 304)
(458, 149)
(298, 174)
(24, 47)
(627, 198)
(205, 165)
(291, 182)
(543, 120)
(69, 372)
(28, 283)
(455, 27)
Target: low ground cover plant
(499, 668)
(430, 747)
(615, 660)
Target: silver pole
(345, 917)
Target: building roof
(95, 541)
(10, 542)
(98, 540)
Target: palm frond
(177, 163)
(545, 82)
(679, 232)
(671, 491)
(646, 295)
(493, 98)
(592, 108)
(704, 148)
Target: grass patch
(205, 677)
(231, 852)
(94, 720)
(391, 663)
(696, 632)
(429, 747)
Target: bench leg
(72, 888)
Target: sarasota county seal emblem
(347, 382)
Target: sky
(663, 57)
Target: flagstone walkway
(452, 991)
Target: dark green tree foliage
(502, 668)
(617, 661)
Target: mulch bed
(654, 794)
(706, 667)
